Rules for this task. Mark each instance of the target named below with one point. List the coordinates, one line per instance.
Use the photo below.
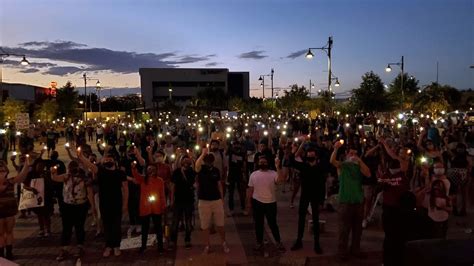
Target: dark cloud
(211, 64)
(253, 55)
(30, 70)
(59, 45)
(60, 71)
(97, 59)
(297, 54)
(191, 59)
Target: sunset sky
(111, 39)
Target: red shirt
(164, 171)
(152, 194)
(393, 188)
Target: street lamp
(170, 90)
(84, 76)
(401, 64)
(98, 87)
(311, 87)
(327, 49)
(262, 79)
(337, 84)
(3, 55)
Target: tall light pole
(85, 96)
(84, 76)
(327, 49)
(262, 79)
(170, 90)
(98, 87)
(3, 55)
(401, 64)
(311, 87)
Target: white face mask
(394, 171)
(438, 171)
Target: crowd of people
(161, 169)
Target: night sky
(111, 39)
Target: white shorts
(209, 209)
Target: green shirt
(350, 183)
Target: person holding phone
(351, 197)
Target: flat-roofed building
(182, 84)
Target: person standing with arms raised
(211, 197)
(113, 202)
(351, 198)
(313, 189)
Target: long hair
(443, 192)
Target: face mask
(460, 151)
(311, 159)
(109, 164)
(438, 171)
(214, 149)
(394, 171)
(54, 158)
(263, 166)
(351, 159)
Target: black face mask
(263, 166)
(54, 158)
(311, 159)
(109, 164)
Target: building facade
(182, 84)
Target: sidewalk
(31, 250)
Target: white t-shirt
(264, 185)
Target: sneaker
(207, 250)
(107, 252)
(47, 234)
(62, 255)
(297, 246)
(280, 247)
(364, 223)
(225, 248)
(117, 252)
(41, 234)
(318, 250)
(188, 245)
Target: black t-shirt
(110, 187)
(208, 179)
(313, 179)
(183, 185)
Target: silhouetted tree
(371, 96)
